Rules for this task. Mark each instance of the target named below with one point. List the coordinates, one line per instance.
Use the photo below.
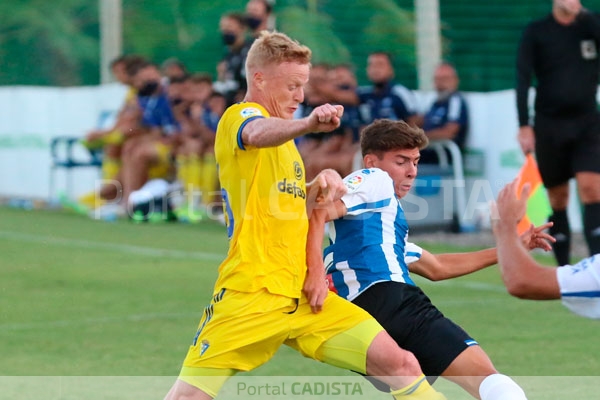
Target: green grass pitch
(82, 299)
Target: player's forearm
(270, 132)
(206, 134)
(520, 272)
(314, 242)
(511, 252)
(448, 131)
(459, 264)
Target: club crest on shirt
(250, 112)
(298, 172)
(588, 50)
(205, 344)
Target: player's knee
(145, 155)
(589, 193)
(559, 199)
(386, 358)
(128, 147)
(406, 365)
(111, 190)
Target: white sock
(500, 387)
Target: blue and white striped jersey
(580, 286)
(369, 245)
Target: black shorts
(565, 146)
(416, 325)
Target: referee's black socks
(591, 226)
(562, 233)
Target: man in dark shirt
(385, 98)
(561, 51)
(448, 116)
(259, 16)
(233, 32)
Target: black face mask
(149, 88)
(253, 22)
(228, 38)
(379, 85)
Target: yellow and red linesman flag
(538, 207)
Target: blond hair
(276, 48)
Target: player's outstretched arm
(438, 267)
(273, 131)
(522, 275)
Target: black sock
(591, 226)
(562, 233)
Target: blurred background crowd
(162, 138)
(182, 62)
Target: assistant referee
(561, 52)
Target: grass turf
(85, 298)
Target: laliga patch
(250, 112)
(353, 182)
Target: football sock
(91, 200)
(194, 177)
(500, 387)
(209, 179)
(591, 226)
(115, 137)
(562, 233)
(182, 168)
(420, 389)
(189, 172)
(110, 167)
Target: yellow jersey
(264, 195)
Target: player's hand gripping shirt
(368, 245)
(264, 193)
(580, 286)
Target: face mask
(253, 22)
(228, 38)
(379, 85)
(148, 89)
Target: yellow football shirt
(264, 192)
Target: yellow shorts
(240, 331)
(163, 168)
